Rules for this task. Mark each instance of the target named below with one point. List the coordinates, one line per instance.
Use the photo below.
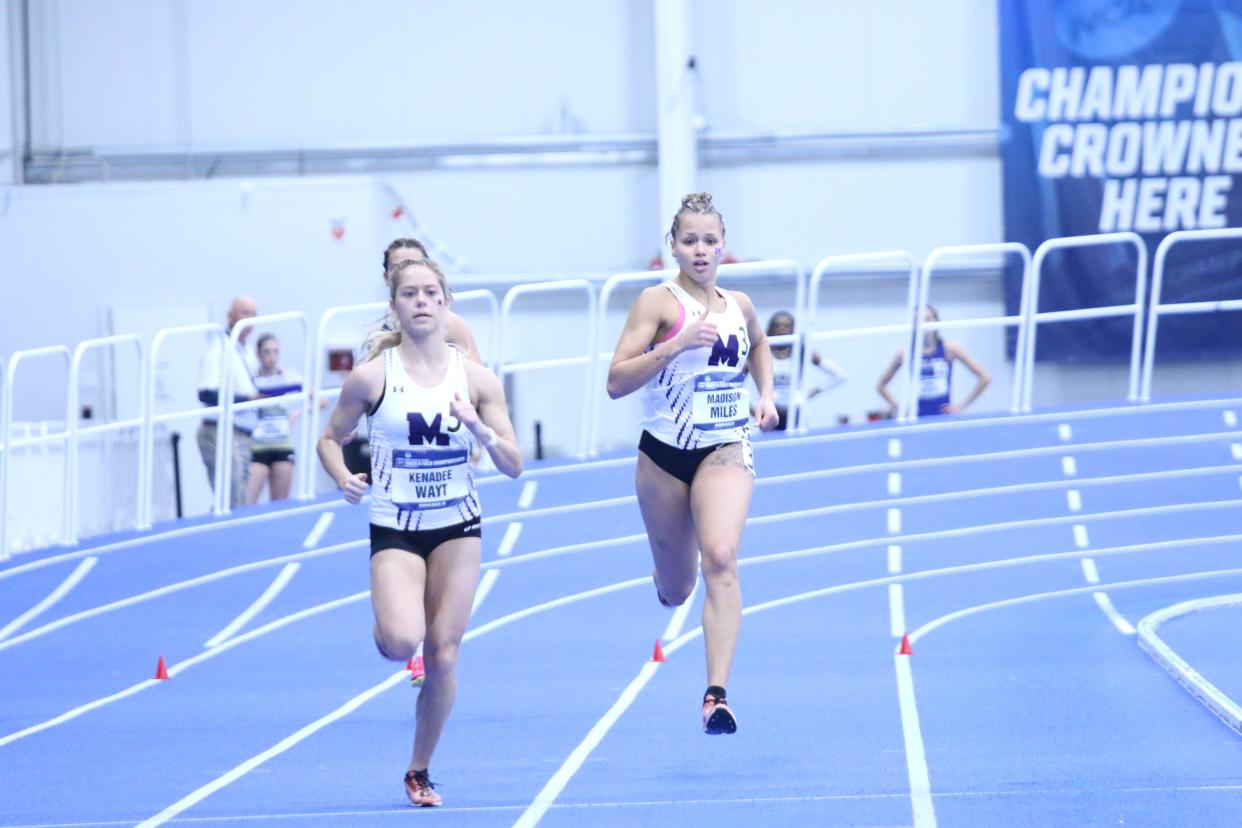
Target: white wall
(297, 72)
(7, 124)
(154, 74)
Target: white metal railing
(1156, 308)
(323, 395)
(73, 415)
(1034, 316)
(214, 333)
(914, 365)
(224, 432)
(598, 356)
(888, 261)
(504, 368)
(500, 325)
(6, 428)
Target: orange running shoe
(418, 673)
(717, 717)
(419, 789)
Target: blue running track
(1018, 554)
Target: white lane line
(527, 497)
(506, 543)
(894, 558)
(273, 589)
(838, 547)
(1073, 499)
(1230, 418)
(1080, 536)
(894, 448)
(176, 669)
(896, 610)
(484, 589)
(792, 442)
(1089, 571)
(316, 534)
(675, 644)
(280, 747)
(1105, 603)
(176, 587)
(552, 789)
(1069, 466)
(678, 622)
(916, 759)
(1065, 433)
(399, 677)
(894, 483)
(943, 424)
(912, 733)
(1236, 450)
(936, 623)
(50, 600)
(160, 537)
(894, 521)
(544, 799)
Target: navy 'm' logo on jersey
(423, 433)
(724, 354)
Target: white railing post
(73, 413)
(887, 260)
(1034, 317)
(1156, 307)
(315, 418)
(145, 485)
(505, 368)
(6, 428)
(595, 410)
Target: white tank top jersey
(699, 398)
(421, 476)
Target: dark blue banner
(1124, 115)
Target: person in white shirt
(271, 455)
(214, 363)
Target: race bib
(424, 479)
(934, 381)
(720, 401)
(272, 427)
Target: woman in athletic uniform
(786, 376)
(456, 331)
(271, 456)
(936, 373)
(687, 344)
(427, 406)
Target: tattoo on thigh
(729, 455)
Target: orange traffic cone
(161, 670)
(905, 648)
(658, 655)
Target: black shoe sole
(720, 722)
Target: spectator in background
(271, 456)
(456, 331)
(936, 373)
(786, 376)
(210, 375)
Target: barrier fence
(505, 331)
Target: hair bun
(701, 200)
